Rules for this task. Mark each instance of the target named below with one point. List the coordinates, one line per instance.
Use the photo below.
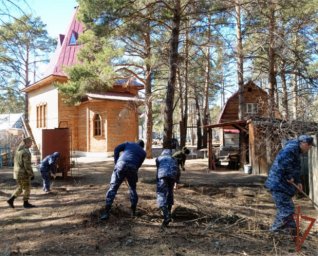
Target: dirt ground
(215, 213)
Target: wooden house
(233, 131)
(256, 105)
(263, 136)
(96, 125)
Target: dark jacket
(130, 153)
(286, 166)
(48, 164)
(166, 165)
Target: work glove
(32, 178)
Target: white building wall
(49, 96)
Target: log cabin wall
(68, 118)
(119, 124)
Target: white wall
(47, 95)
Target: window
(41, 115)
(97, 125)
(73, 39)
(251, 108)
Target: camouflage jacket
(181, 157)
(286, 166)
(167, 166)
(22, 163)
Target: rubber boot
(133, 210)
(105, 216)
(11, 201)
(166, 216)
(27, 205)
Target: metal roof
(114, 96)
(233, 123)
(66, 51)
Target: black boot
(27, 205)
(133, 210)
(105, 216)
(166, 216)
(10, 201)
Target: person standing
(22, 173)
(167, 169)
(283, 182)
(48, 167)
(128, 158)
(181, 157)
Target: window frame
(41, 115)
(251, 108)
(73, 38)
(97, 125)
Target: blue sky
(56, 14)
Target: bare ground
(215, 213)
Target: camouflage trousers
(24, 185)
(165, 191)
(285, 210)
(121, 173)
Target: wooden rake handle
(304, 194)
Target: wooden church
(93, 127)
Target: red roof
(66, 55)
(67, 48)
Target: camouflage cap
(27, 139)
(307, 139)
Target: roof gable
(8, 121)
(66, 55)
(67, 48)
(252, 94)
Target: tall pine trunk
(173, 64)
(271, 60)
(183, 94)
(284, 90)
(148, 94)
(240, 79)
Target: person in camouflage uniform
(48, 166)
(128, 158)
(283, 178)
(22, 173)
(167, 168)
(181, 157)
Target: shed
(264, 137)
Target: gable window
(97, 125)
(251, 108)
(41, 115)
(73, 39)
